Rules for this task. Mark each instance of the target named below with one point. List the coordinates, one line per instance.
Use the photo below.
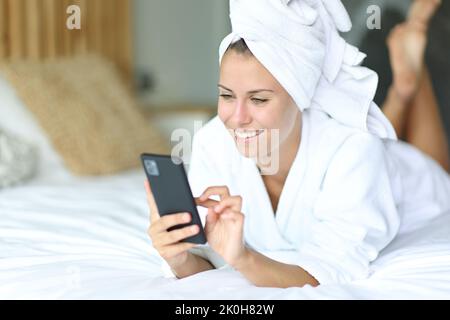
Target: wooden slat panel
(3, 29)
(33, 28)
(125, 35)
(67, 34)
(75, 36)
(37, 29)
(81, 42)
(90, 17)
(60, 26)
(94, 25)
(16, 28)
(54, 27)
(117, 36)
(49, 33)
(107, 28)
(112, 32)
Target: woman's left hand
(224, 223)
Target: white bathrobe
(352, 187)
(347, 195)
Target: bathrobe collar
(274, 223)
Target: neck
(287, 153)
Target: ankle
(398, 100)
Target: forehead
(246, 70)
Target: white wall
(178, 40)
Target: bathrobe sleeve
(354, 214)
(202, 174)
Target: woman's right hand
(167, 243)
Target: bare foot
(407, 43)
(406, 50)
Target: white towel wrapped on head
(298, 41)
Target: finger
(154, 214)
(175, 236)
(234, 203)
(208, 203)
(175, 249)
(212, 215)
(211, 219)
(229, 214)
(221, 191)
(171, 220)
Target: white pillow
(18, 160)
(17, 120)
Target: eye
(259, 101)
(226, 96)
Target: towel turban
(298, 41)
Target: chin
(253, 150)
(251, 153)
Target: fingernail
(187, 217)
(217, 209)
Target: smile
(247, 134)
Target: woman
(301, 174)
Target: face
(257, 111)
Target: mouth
(246, 135)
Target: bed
(72, 236)
(85, 238)
(66, 236)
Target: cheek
(288, 121)
(268, 118)
(290, 115)
(282, 118)
(224, 111)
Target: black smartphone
(171, 190)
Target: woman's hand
(167, 243)
(224, 224)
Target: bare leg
(396, 110)
(411, 105)
(424, 128)
(406, 44)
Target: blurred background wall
(176, 49)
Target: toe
(422, 11)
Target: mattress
(86, 238)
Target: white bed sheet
(86, 239)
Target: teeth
(247, 134)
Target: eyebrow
(250, 92)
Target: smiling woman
(344, 187)
(257, 108)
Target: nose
(241, 113)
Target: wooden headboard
(36, 29)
